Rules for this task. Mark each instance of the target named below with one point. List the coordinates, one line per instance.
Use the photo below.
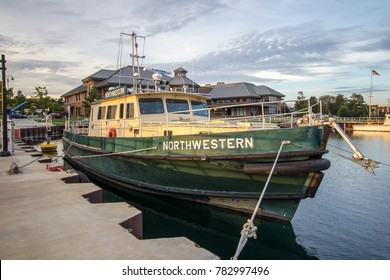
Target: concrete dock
(42, 217)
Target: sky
(317, 47)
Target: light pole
(4, 152)
(12, 79)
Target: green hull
(210, 169)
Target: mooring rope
(249, 229)
(31, 162)
(117, 153)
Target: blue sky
(318, 47)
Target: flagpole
(369, 101)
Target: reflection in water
(215, 229)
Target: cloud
(163, 16)
(14, 46)
(305, 50)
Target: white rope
(249, 229)
(118, 153)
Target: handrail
(199, 120)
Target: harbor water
(348, 219)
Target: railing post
(167, 124)
(262, 113)
(209, 120)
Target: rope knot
(249, 229)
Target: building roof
(79, 89)
(183, 80)
(124, 76)
(242, 89)
(99, 75)
(180, 70)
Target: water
(348, 219)
(350, 216)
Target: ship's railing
(373, 120)
(80, 126)
(204, 120)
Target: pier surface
(42, 217)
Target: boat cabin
(126, 114)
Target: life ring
(112, 132)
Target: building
(243, 93)
(144, 79)
(74, 99)
(181, 82)
(150, 79)
(380, 110)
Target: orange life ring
(112, 132)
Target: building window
(240, 111)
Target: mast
(135, 60)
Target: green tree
(339, 102)
(300, 104)
(285, 108)
(91, 97)
(19, 98)
(357, 106)
(40, 100)
(314, 101)
(327, 102)
(343, 111)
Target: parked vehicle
(56, 115)
(18, 116)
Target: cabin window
(101, 113)
(111, 111)
(176, 105)
(151, 106)
(196, 105)
(121, 109)
(129, 110)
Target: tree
(91, 97)
(42, 100)
(343, 111)
(314, 101)
(339, 102)
(357, 106)
(300, 104)
(19, 98)
(285, 108)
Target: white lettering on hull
(209, 144)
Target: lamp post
(5, 152)
(12, 79)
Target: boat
(169, 143)
(385, 127)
